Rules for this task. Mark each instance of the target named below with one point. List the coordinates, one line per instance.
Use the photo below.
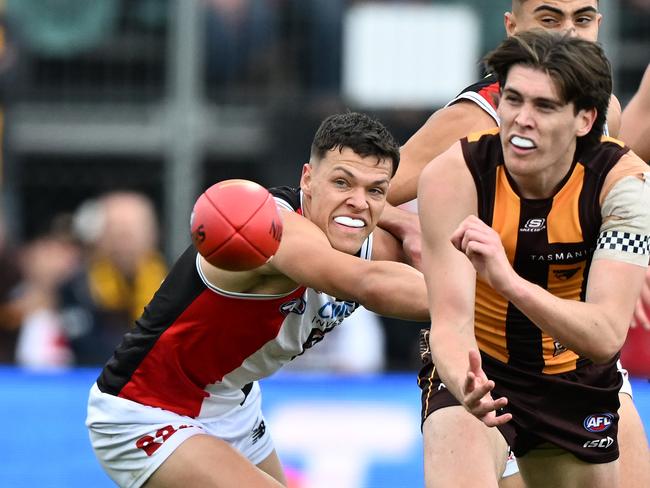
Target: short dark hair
(581, 71)
(361, 133)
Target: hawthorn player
(178, 404)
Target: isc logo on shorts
(600, 443)
(598, 422)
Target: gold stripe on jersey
(475, 136)
(489, 320)
(505, 219)
(613, 140)
(564, 280)
(491, 308)
(563, 221)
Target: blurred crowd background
(116, 114)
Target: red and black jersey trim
(176, 293)
(289, 194)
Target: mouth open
(349, 222)
(522, 143)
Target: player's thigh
(453, 437)
(208, 462)
(633, 446)
(548, 465)
(272, 466)
(511, 478)
(514, 481)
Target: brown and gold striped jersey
(549, 242)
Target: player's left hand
(477, 398)
(482, 246)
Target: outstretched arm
(440, 131)
(614, 117)
(385, 287)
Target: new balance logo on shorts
(258, 432)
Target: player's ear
(306, 179)
(585, 121)
(510, 23)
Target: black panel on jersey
(181, 287)
(479, 85)
(287, 193)
(482, 159)
(523, 337)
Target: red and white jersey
(197, 349)
(484, 93)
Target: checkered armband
(624, 242)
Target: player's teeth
(349, 222)
(522, 142)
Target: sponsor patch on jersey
(534, 225)
(599, 422)
(296, 305)
(558, 348)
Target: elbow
(604, 351)
(602, 357)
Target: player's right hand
(477, 398)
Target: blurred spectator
(318, 38)
(10, 311)
(239, 35)
(122, 271)
(46, 263)
(30, 332)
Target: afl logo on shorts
(598, 422)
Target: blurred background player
(121, 271)
(475, 110)
(635, 122)
(546, 339)
(179, 402)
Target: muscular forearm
(586, 328)
(449, 349)
(398, 222)
(394, 290)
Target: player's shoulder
(287, 197)
(484, 94)
(487, 83)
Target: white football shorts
(132, 440)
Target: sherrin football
(236, 225)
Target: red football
(235, 225)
